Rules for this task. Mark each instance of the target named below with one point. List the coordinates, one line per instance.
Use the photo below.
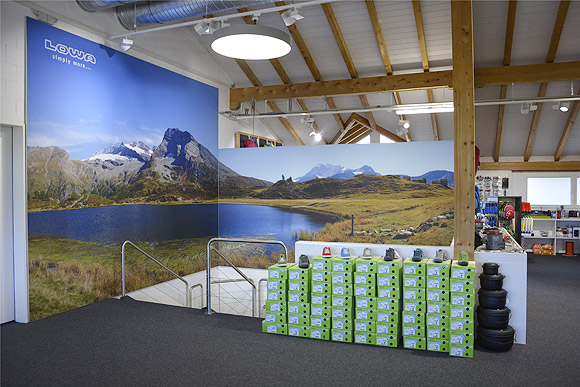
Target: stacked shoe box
(320, 300)
(276, 318)
(299, 310)
(365, 292)
(388, 302)
(342, 298)
(414, 301)
(437, 318)
(462, 303)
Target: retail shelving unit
(549, 226)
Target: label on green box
(364, 338)
(339, 278)
(317, 310)
(460, 350)
(340, 264)
(342, 323)
(345, 301)
(438, 269)
(275, 317)
(296, 273)
(365, 325)
(437, 345)
(321, 322)
(341, 335)
(320, 263)
(341, 312)
(365, 314)
(463, 272)
(366, 302)
(280, 329)
(414, 330)
(461, 324)
(278, 272)
(298, 286)
(321, 276)
(437, 333)
(298, 319)
(413, 318)
(321, 287)
(387, 328)
(320, 299)
(438, 320)
(276, 295)
(437, 283)
(298, 307)
(437, 295)
(388, 304)
(414, 294)
(463, 299)
(390, 292)
(390, 267)
(301, 297)
(414, 281)
(277, 284)
(364, 265)
(387, 340)
(461, 338)
(388, 280)
(319, 333)
(365, 278)
(298, 330)
(413, 342)
(276, 306)
(438, 307)
(462, 286)
(414, 306)
(387, 316)
(412, 267)
(364, 290)
(458, 311)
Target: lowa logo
(70, 51)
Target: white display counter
(512, 265)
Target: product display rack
(550, 226)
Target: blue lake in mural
(141, 222)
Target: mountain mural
(321, 171)
(433, 176)
(179, 167)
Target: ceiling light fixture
(291, 16)
(525, 109)
(251, 42)
(317, 136)
(423, 110)
(405, 124)
(564, 106)
(126, 44)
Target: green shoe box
(438, 269)
(366, 302)
(438, 333)
(390, 267)
(392, 304)
(414, 318)
(461, 350)
(279, 329)
(388, 328)
(388, 316)
(344, 301)
(343, 290)
(320, 322)
(414, 281)
(365, 290)
(364, 265)
(462, 299)
(343, 265)
(458, 311)
(341, 277)
(417, 330)
(321, 287)
(319, 333)
(462, 286)
(414, 306)
(322, 276)
(417, 294)
(343, 335)
(461, 338)
(302, 297)
(298, 330)
(320, 299)
(388, 280)
(277, 284)
(438, 307)
(298, 308)
(438, 283)
(342, 312)
(278, 272)
(463, 272)
(343, 323)
(298, 319)
(276, 317)
(364, 338)
(437, 345)
(299, 286)
(365, 314)
(296, 273)
(365, 325)
(437, 295)
(392, 292)
(277, 295)
(387, 340)
(461, 324)
(277, 306)
(416, 268)
(437, 320)
(321, 263)
(322, 311)
(414, 342)
(365, 279)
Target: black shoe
(417, 255)
(389, 254)
(303, 262)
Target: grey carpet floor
(131, 343)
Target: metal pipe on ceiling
(97, 5)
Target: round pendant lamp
(251, 42)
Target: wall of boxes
(375, 302)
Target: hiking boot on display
(417, 255)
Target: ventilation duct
(157, 12)
(97, 5)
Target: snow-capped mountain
(334, 172)
(123, 152)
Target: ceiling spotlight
(202, 28)
(307, 120)
(317, 136)
(525, 109)
(291, 16)
(405, 124)
(126, 44)
(564, 106)
(208, 28)
(251, 42)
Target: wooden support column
(464, 125)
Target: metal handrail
(260, 295)
(251, 281)
(191, 294)
(187, 294)
(234, 240)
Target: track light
(291, 16)
(525, 109)
(126, 44)
(208, 28)
(317, 136)
(405, 124)
(307, 120)
(564, 106)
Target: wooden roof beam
(548, 72)
(567, 129)
(379, 128)
(360, 136)
(507, 54)
(533, 166)
(554, 41)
